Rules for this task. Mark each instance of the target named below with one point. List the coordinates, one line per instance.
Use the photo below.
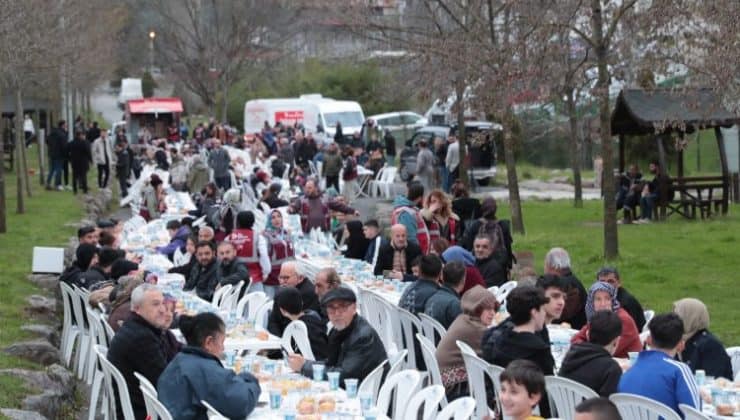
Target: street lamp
(152, 35)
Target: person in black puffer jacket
(702, 350)
(204, 274)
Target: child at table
(522, 387)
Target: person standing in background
(80, 156)
(101, 152)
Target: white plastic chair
(477, 370)
(297, 331)
(219, 294)
(402, 385)
(636, 407)
(410, 325)
(385, 183)
(252, 302)
(212, 413)
(691, 413)
(429, 398)
(734, 353)
(231, 297)
(432, 329)
(567, 394)
(120, 391)
(180, 258)
(371, 383)
(373, 185)
(460, 409)
(649, 314)
(144, 383)
(504, 291)
(397, 361)
(78, 305)
(493, 289)
(262, 315)
(70, 330)
(98, 337)
(155, 410)
(430, 360)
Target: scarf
(694, 315)
(336, 338)
(600, 286)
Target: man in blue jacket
(656, 374)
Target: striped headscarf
(600, 286)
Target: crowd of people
(450, 249)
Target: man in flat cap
(355, 348)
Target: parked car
(396, 121)
(481, 148)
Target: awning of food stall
(154, 106)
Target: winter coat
(92, 276)
(317, 337)
(632, 306)
(184, 269)
(102, 151)
(203, 280)
(493, 273)
(138, 347)
(232, 273)
(591, 365)
(414, 299)
(198, 176)
(385, 258)
(704, 351)
(219, 161)
(407, 219)
(574, 312)
(123, 163)
(332, 164)
(80, 155)
(360, 351)
(177, 242)
(628, 341)
(57, 144)
(71, 276)
(444, 306)
(276, 322)
(196, 375)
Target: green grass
(41, 225)
(659, 263)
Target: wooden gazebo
(667, 112)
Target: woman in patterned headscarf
(603, 297)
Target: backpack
(500, 240)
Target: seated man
(355, 348)
(444, 304)
(555, 293)
(327, 279)
(657, 374)
(86, 256)
(557, 262)
(230, 269)
(628, 192)
(591, 363)
(651, 192)
(492, 271)
(206, 234)
(518, 339)
(371, 230)
(100, 272)
(290, 304)
(626, 300)
(87, 235)
(204, 275)
(415, 297)
(139, 345)
(597, 409)
(289, 277)
(522, 387)
(396, 256)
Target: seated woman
(279, 247)
(603, 297)
(479, 306)
(153, 199)
(702, 350)
(355, 240)
(196, 374)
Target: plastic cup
(633, 357)
(318, 372)
(333, 380)
(269, 367)
(371, 414)
(701, 377)
(230, 358)
(289, 415)
(276, 398)
(366, 401)
(350, 385)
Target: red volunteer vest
(422, 233)
(434, 230)
(246, 251)
(280, 250)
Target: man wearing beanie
(85, 256)
(355, 348)
(288, 300)
(100, 272)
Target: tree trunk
(41, 139)
(3, 200)
(225, 101)
(575, 149)
(611, 241)
(23, 162)
(515, 203)
(73, 114)
(20, 205)
(461, 135)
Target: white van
(130, 89)
(310, 110)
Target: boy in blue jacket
(656, 374)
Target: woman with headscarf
(473, 276)
(439, 218)
(478, 306)
(279, 248)
(355, 240)
(702, 349)
(603, 297)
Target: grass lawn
(41, 225)
(659, 263)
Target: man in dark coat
(490, 268)
(591, 363)
(230, 269)
(290, 304)
(124, 158)
(139, 345)
(80, 156)
(57, 145)
(444, 304)
(414, 298)
(289, 277)
(557, 262)
(355, 348)
(100, 271)
(397, 255)
(204, 275)
(626, 300)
